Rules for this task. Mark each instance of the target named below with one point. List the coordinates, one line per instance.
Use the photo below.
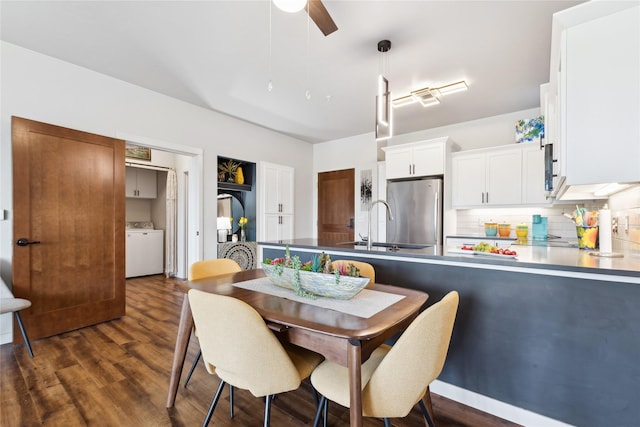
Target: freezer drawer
(144, 252)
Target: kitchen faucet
(389, 215)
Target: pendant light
(384, 120)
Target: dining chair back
(395, 378)
(11, 304)
(238, 346)
(366, 269)
(210, 268)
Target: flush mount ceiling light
(315, 9)
(429, 96)
(291, 6)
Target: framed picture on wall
(139, 153)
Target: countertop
(529, 256)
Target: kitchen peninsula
(555, 331)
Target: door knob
(23, 241)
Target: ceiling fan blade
(321, 17)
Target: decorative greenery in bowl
(314, 278)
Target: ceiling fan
(316, 10)
(319, 14)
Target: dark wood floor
(117, 374)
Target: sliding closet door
(68, 227)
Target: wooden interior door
(68, 227)
(336, 205)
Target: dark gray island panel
(564, 347)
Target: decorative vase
(239, 176)
(243, 237)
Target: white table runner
(367, 303)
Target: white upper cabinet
(277, 185)
(500, 176)
(533, 191)
(595, 64)
(487, 177)
(416, 159)
(277, 189)
(141, 183)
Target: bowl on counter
(504, 230)
(491, 229)
(522, 230)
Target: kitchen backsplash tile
(471, 221)
(625, 207)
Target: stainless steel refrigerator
(417, 211)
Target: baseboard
(6, 338)
(493, 406)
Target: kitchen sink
(390, 245)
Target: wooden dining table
(343, 338)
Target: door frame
(193, 245)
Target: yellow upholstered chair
(212, 267)
(366, 269)
(209, 268)
(11, 304)
(238, 346)
(395, 378)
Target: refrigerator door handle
(435, 219)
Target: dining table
(343, 331)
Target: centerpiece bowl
(319, 284)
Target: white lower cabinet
(144, 252)
(278, 227)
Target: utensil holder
(587, 237)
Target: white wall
(358, 152)
(45, 89)
(481, 133)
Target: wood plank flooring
(117, 374)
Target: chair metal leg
(193, 366)
(267, 410)
(213, 404)
(387, 423)
(24, 333)
(231, 413)
(325, 413)
(427, 415)
(321, 405)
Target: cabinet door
(147, 183)
(285, 189)
(141, 183)
(277, 186)
(533, 176)
(504, 178)
(429, 160)
(468, 179)
(286, 227)
(399, 163)
(270, 189)
(271, 227)
(130, 183)
(602, 99)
